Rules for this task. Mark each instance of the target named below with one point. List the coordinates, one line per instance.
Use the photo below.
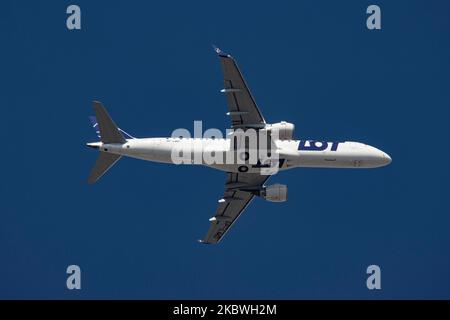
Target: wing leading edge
(242, 107)
(237, 196)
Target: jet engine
(275, 193)
(283, 129)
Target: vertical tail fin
(94, 123)
(95, 126)
(109, 133)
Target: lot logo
(310, 145)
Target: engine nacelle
(275, 193)
(283, 129)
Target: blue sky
(313, 63)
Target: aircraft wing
(238, 195)
(242, 107)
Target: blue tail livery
(94, 123)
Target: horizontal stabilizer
(103, 163)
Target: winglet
(220, 52)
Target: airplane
(245, 177)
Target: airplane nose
(386, 158)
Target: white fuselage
(288, 153)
